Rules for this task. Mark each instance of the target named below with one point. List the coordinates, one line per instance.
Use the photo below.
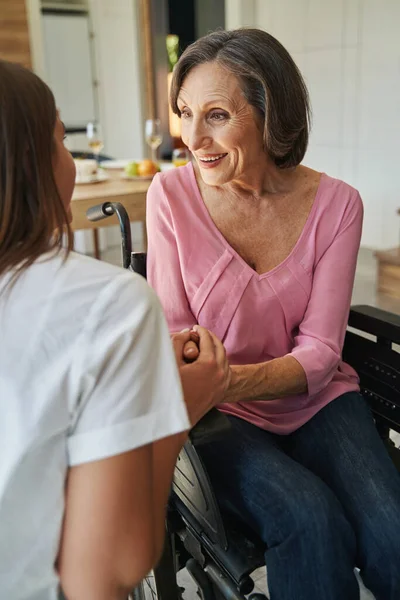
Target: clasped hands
(204, 370)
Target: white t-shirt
(87, 371)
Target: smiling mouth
(211, 159)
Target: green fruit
(131, 169)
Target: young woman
(92, 413)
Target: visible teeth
(212, 159)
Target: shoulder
(80, 266)
(92, 276)
(177, 176)
(338, 194)
(74, 299)
(99, 278)
(170, 185)
(337, 205)
(84, 287)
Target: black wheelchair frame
(219, 553)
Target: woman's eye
(185, 114)
(218, 116)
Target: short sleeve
(125, 375)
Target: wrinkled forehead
(212, 81)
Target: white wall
(119, 70)
(66, 63)
(240, 13)
(349, 53)
(210, 14)
(119, 74)
(35, 35)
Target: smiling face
(219, 126)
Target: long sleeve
(163, 264)
(319, 342)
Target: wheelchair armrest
(212, 426)
(383, 324)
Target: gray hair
(270, 81)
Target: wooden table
(131, 193)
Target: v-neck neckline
(227, 245)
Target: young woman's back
(86, 373)
(92, 415)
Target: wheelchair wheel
(150, 590)
(147, 590)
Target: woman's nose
(198, 137)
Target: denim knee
(316, 517)
(379, 548)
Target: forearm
(101, 590)
(108, 540)
(277, 378)
(165, 454)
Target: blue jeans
(324, 499)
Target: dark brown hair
(32, 215)
(270, 81)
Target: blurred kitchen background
(110, 62)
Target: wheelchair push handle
(107, 209)
(99, 212)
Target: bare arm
(164, 455)
(114, 528)
(204, 384)
(109, 538)
(119, 503)
(130, 406)
(267, 381)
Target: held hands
(206, 377)
(191, 348)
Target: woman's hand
(205, 380)
(191, 348)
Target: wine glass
(95, 138)
(180, 157)
(154, 136)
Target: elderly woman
(262, 251)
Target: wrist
(234, 393)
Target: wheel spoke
(152, 587)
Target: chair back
(371, 348)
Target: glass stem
(154, 154)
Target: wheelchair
(220, 553)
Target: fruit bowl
(143, 169)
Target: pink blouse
(299, 308)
